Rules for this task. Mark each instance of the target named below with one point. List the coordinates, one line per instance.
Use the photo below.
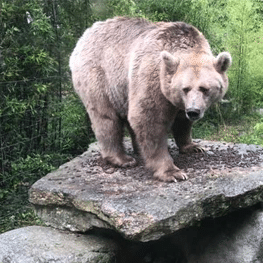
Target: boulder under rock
(36, 244)
(86, 193)
(235, 238)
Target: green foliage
(243, 42)
(258, 128)
(34, 51)
(28, 169)
(76, 134)
(164, 10)
(25, 171)
(225, 133)
(43, 124)
(24, 44)
(203, 129)
(15, 210)
(254, 135)
(104, 9)
(16, 217)
(247, 129)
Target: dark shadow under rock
(234, 238)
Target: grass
(16, 211)
(247, 129)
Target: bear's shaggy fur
(152, 77)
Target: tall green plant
(242, 28)
(41, 124)
(36, 39)
(26, 36)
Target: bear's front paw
(170, 176)
(191, 148)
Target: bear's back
(105, 47)
(113, 37)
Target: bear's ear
(223, 61)
(171, 62)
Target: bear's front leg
(182, 129)
(152, 140)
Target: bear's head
(193, 81)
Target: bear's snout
(193, 114)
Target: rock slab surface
(85, 193)
(36, 244)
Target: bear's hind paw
(132, 162)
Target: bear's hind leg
(108, 128)
(133, 138)
(106, 123)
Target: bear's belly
(118, 96)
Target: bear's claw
(191, 148)
(171, 176)
(198, 149)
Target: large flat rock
(85, 193)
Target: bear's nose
(193, 114)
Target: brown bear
(152, 77)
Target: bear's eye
(186, 90)
(204, 90)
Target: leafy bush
(242, 40)
(15, 210)
(25, 171)
(254, 136)
(76, 133)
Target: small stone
(210, 153)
